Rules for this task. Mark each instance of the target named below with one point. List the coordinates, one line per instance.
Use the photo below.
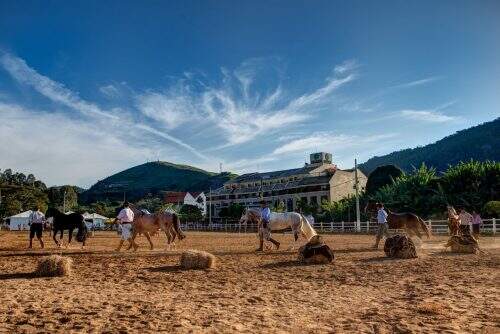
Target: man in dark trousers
(36, 221)
(265, 228)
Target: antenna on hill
(220, 167)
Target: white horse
(281, 221)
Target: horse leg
(61, 241)
(69, 237)
(54, 238)
(131, 241)
(149, 239)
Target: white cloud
(110, 91)
(419, 82)
(347, 66)
(431, 116)
(236, 112)
(61, 150)
(329, 142)
(56, 92)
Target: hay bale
(400, 246)
(463, 244)
(54, 265)
(193, 259)
(315, 252)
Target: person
(476, 223)
(383, 228)
(36, 221)
(125, 218)
(465, 221)
(265, 229)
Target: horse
(281, 221)
(453, 221)
(148, 224)
(70, 222)
(407, 221)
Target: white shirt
(36, 217)
(126, 215)
(381, 216)
(465, 218)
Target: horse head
(52, 212)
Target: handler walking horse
(147, 224)
(410, 222)
(281, 221)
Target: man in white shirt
(383, 228)
(36, 221)
(465, 221)
(125, 218)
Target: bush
(492, 209)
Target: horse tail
(306, 228)
(177, 226)
(424, 227)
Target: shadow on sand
(17, 276)
(165, 269)
(284, 264)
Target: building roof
(24, 214)
(253, 177)
(175, 197)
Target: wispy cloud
(434, 115)
(110, 91)
(329, 142)
(427, 116)
(234, 108)
(419, 82)
(58, 93)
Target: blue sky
(89, 88)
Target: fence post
(321, 226)
(494, 227)
(342, 226)
(331, 226)
(430, 225)
(367, 226)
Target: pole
(64, 201)
(356, 185)
(210, 208)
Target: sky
(89, 88)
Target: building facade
(318, 181)
(179, 198)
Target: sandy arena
(146, 291)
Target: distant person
(36, 221)
(477, 222)
(265, 229)
(125, 218)
(383, 228)
(465, 221)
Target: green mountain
(479, 143)
(152, 178)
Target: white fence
(489, 226)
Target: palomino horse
(410, 222)
(453, 221)
(281, 221)
(147, 224)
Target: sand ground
(146, 291)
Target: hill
(479, 143)
(151, 179)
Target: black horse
(69, 222)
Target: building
(318, 181)
(94, 221)
(20, 221)
(179, 198)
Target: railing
(489, 226)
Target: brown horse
(410, 222)
(453, 221)
(148, 224)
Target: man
(265, 228)
(383, 228)
(125, 219)
(36, 221)
(476, 223)
(465, 221)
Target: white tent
(94, 220)
(20, 221)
